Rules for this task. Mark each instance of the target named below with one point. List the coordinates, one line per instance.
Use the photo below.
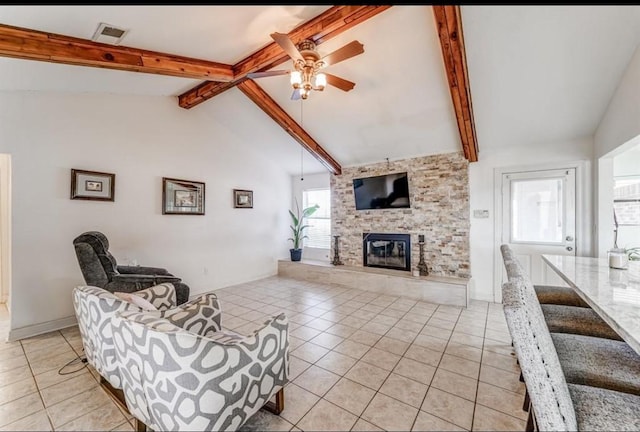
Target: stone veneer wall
(439, 195)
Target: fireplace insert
(392, 251)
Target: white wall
(617, 131)
(310, 181)
(481, 189)
(141, 140)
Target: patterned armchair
(99, 268)
(95, 308)
(175, 379)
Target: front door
(539, 217)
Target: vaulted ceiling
(536, 73)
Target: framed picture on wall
(242, 198)
(182, 197)
(92, 185)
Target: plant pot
(296, 254)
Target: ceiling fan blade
(341, 83)
(287, 45)
(295, 95)
(351, 49)
(254, 75)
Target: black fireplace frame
(366, 237)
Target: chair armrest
(144, 278)
(162, 296)
(142, 270)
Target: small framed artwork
(182, 197)
(92, 185)
(242, 198)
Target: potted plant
(298, 228)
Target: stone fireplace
(439, 196)
(391, 251)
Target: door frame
(584, 226)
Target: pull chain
(301, 149)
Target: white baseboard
(37, 329)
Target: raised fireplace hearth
(390, 251)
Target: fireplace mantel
(435, 289)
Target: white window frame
(307, 221)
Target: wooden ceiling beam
(320, 29)
(449, 24)
(254, 92)
(29, 44)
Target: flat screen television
(382, 192)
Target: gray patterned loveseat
(175, 379)
(95, 308)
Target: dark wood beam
(29, 44)
(254, 92)
(449, 24)
(325, 26)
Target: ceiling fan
(307, 63)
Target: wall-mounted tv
(382, 192)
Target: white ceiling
(537, 73)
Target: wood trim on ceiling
(325, 26)
(254, 92)
(30, 44)
(449, 25)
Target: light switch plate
(481, 214)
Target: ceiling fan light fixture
(296, 79)
(321, 81)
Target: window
(626, 200)
(319, 230)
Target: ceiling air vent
(106, 33)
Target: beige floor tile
(123, 427)
(13, 363)
(326, 340)
(100, 419)
(79, 405)
(354, 322)
(20, 408)
(501, 400)
(320, 324)
(460, 365)
(11, 352)
(363, 314)
(367, 375)
(417, 317)
(364, 426)
(365, 337)
(373, 308)
(301, 318)
(49, 352)
(376, 327)
(428, 422)
(325, 416)
(430, 342)
(67, 389)
(17, 390)
(402, 334)
(341, 330)
(50, 363)
(390, 414)
(385, 320)
(449, 407)
(408, 324)
(474, 330)
(350, 395)
(499, 336)
(394, 313)
(333, 316)
(467, 339)
(34, 422)
(391, 345)
(380, 358)
(464, 351)
(297, 402)
(445, 324)
(415, 370)
(352, 348)
(336, 362)
(309, 352)
(456, 384)
(296, 367)
(294, 342)
(424, 355)
(317, 380)
(14, 375)
(501, 378)
(508, 363)
(4, 345)
(305, 333)
(436, 332)
(497, 347)
(404, 389)
(43, 341)
(486, 419)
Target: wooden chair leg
(140, 426)
(527, 402)
(277, 406)
(521, 377)
(530, 422)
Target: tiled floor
(358, 361)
